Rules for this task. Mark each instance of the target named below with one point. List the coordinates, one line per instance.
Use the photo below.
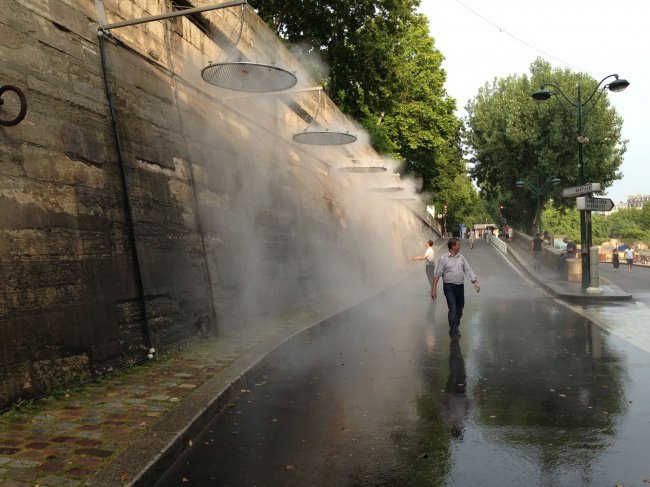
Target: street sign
(583, 189)
(594, 204)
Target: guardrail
(500, 245)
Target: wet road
(534, 394)
(636, 282)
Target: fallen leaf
(289, 467)
(125, 477)
(185, 479)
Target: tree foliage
(385, 72)
(513, 138)
(628, 225)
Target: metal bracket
(170, 15)
(23, 105)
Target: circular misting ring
(23, 105)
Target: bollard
(574, 270)
(594, 278)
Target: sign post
(582, 189)
(584, 203)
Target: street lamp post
(583, 108)
(538, 191)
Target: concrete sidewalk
(559, 285)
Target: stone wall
(143, 207)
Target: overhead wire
(517, 39)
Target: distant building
(621, 205)
(637, 201)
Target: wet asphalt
(636, 282)
(533, 394)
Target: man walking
(453, 267)
(429, 264)
(570, 253)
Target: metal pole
(538, 190)
(170, 15)
(584, 237)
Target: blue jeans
(455, 295)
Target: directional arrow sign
(584, 189)
(594, 204)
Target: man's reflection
(455, 401)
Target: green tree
(562, 222)
(644, 217)
(512, 137)
(628, 225)
(385, 72)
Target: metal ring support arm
(170, 15)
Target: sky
(481, 40)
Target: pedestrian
(429, 264)
(472, 238)
(538, 251)
(570, 252)
(615, 261)
(453, 267)
(511, 233)
(629, 257)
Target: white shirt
(629, 254)
(428, 256)
(453, 269)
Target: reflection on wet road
(533, 394)
(628, 320)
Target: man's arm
(434, 287)
(470, 273)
